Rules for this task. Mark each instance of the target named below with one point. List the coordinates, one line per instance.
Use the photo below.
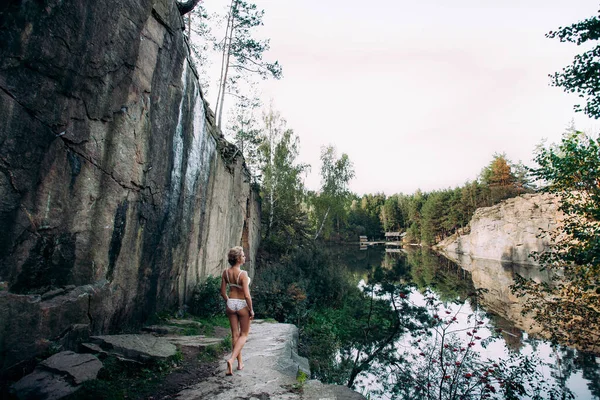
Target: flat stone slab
(58, 376)
(80, 367)
(184, 322)
(271, 365)
(164, 329)
(43, 385)
(92, 348)
(137, 347)
(197, 342)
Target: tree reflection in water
(415, 330)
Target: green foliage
(245, 131)
(284, 220)
(212, 353)
(429, 270)
(330, 207)
(501, 179)
(392, 215)
(568, 306)
(364, 217)
(443, 365)
(227, 342)
(583, 75)
(206, 299)
(242, 54)
(209, 324)
(286, 288)
(301, 378)
(200, 40)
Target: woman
(239, 304)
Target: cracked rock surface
(118, 193)
(271, 364)
(58, 376)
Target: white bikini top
(237, 281)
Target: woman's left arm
(245, 283)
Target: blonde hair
(234, 255)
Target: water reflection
(497, 277)
(501, 335)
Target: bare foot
(229, 367)
(240, 366)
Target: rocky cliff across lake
(498, 246)
(117, 192)
(508, 231)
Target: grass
(301, 378)
(209, 324)
(207, 327)
(215, 352)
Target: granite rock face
(508, 231)
(117, 192)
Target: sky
(419, 95)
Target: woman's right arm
(224, 287)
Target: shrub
(206, 300)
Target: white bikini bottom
(236, 304)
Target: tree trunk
(322, 223)
(231, 26)
(225, 49)
(272, 168)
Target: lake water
(493, 317)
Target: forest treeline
(428, 217)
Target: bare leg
(235, 334)
(244, 320)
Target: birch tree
(244, 130)
(282, 186)
(241, 54)
(330, 205)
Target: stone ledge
(271, 364)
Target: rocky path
(271, 366)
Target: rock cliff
(117, 192)
(498, 246)
(508, 231)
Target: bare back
(237, 282)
